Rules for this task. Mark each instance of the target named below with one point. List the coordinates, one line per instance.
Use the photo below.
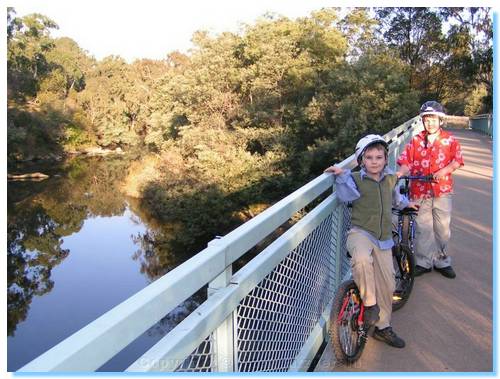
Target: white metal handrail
(92, 346)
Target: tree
(416, 33)
(105, 102)
(360, 30)
(471, 51)
(447, 64)
(28, 42)
(14, 24)
(70, 62)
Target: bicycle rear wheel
(347, 332)
(404, 267)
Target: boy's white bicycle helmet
(367, 141)
(432, 108)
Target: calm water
(77, 247)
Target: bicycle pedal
(363, 334)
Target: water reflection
(155, 252)
(76, 247)
(33, 249)
(40, 214)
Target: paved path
(447, 323)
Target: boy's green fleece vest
(372, 211)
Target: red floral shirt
(426, 158)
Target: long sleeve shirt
(424, 158)
(347, 191)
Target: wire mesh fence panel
(345, 264)
(275, 319)
(202, 359)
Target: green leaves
(319, 78)
(446, 50)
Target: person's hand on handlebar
(440, 173)
(413, 205)
(403, 171)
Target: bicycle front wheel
(404, 267)
(405, 231)
(348, 335)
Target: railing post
(224, 334)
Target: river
(77, 247)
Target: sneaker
(446, 271)
(419, 270)
(371, 315)
(388, 336)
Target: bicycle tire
(404, 267)
(348, 338)
(405, 230)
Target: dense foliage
(297, 88)
(243, 118)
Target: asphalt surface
(448, 323)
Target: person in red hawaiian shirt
(432, 152)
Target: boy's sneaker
(446, 271)
(419, 270)
(371, 315)
(388, 336)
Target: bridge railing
(271, 315)
(482, 123)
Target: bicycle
(347, 328)
(403, 250)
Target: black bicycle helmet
(432, 107)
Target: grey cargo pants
(432, 232)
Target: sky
(137, 29)
(153, 28)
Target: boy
(435, 152)
(373, 192)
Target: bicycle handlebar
(405, 190)
(424, 178)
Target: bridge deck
(447, 324)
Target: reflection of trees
(175, 317)
(95, 184)
(156, 253)
(40, 214)
(183, 216)
(33, 249)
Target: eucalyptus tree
(28, 42)
(113, 100)
(448, 51)
(470, 41)
(285, 65)
(360, 29)
(416, 33)
(13, 23)
(69, 66)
